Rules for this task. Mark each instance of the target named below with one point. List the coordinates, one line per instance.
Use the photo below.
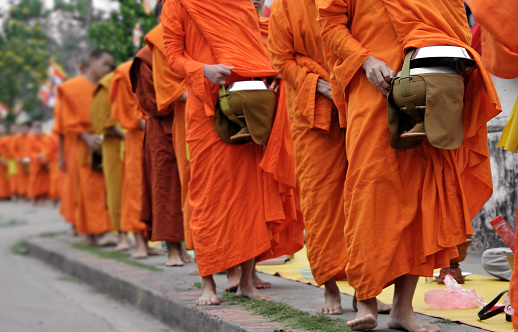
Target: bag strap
(404, 83)
(486, 311)
(225, 106)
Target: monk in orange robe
(5, 190)
(78, 142)
(112, 166)
(55, 175)
(10, 154)
(497, 19)
(125, 110)
(162, 191)
(244, 197)
(39, 176)
(23, 158)
(406, 210)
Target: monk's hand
(324, 88)
(93, 141)
(273, 82)
(217, 74)
(379, 74)
(460, 66)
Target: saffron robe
(165, 82)
(497, 19)
(55, 175)
(257, 204)
(5, 187)
(320, 159)
(126, 111)
(405, 210)
(161, 188)
(39, 176)
(21, 143)
(111, 149)
(74, 102)
(12, 164)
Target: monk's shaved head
(3, 130)
(158, 11)
(101, 62)
(37, 128)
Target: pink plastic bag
(455, 297)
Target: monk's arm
(61, 155)
(116, 131)
(333, 18)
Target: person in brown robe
(161, 189)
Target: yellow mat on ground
(486, 287)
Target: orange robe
(70, 178)
(21, 143)
(39, 168)
(55, 175)
(72, 113)
(111, 149)
(161, 188)
(5, 187)
(321, 162)
(126, 111)
(165, 81)
(406, 210)
(498, 22)
(10, 152)
(244, 197)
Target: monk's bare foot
(408, 321)
(174, 257)
(194, 272)
(252, 293)
(186, 258)
(233, 275)
(383, 308)
(333, 300)
(86, 239)
(208, 292)
(258, 282)
(140, 254)
(154, 252)
(367, 316)
(107, 239)
(122, 242)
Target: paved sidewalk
(170, 295)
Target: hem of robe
(215, 268)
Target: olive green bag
(437, 99)
(254, 109)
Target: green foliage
(24, 56)
(116, 33)
(20, 248)
(287, 315)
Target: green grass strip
(287, 315)
(20, 248)
(114, 255)
(13, 222)
(446, 321)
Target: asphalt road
(35, 297)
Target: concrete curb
(149, 291)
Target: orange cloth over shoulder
(39, 166)
(255, 200)
(72, 113)
(125, 110)
(499, 42)
(299, 55)
(419, 202)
